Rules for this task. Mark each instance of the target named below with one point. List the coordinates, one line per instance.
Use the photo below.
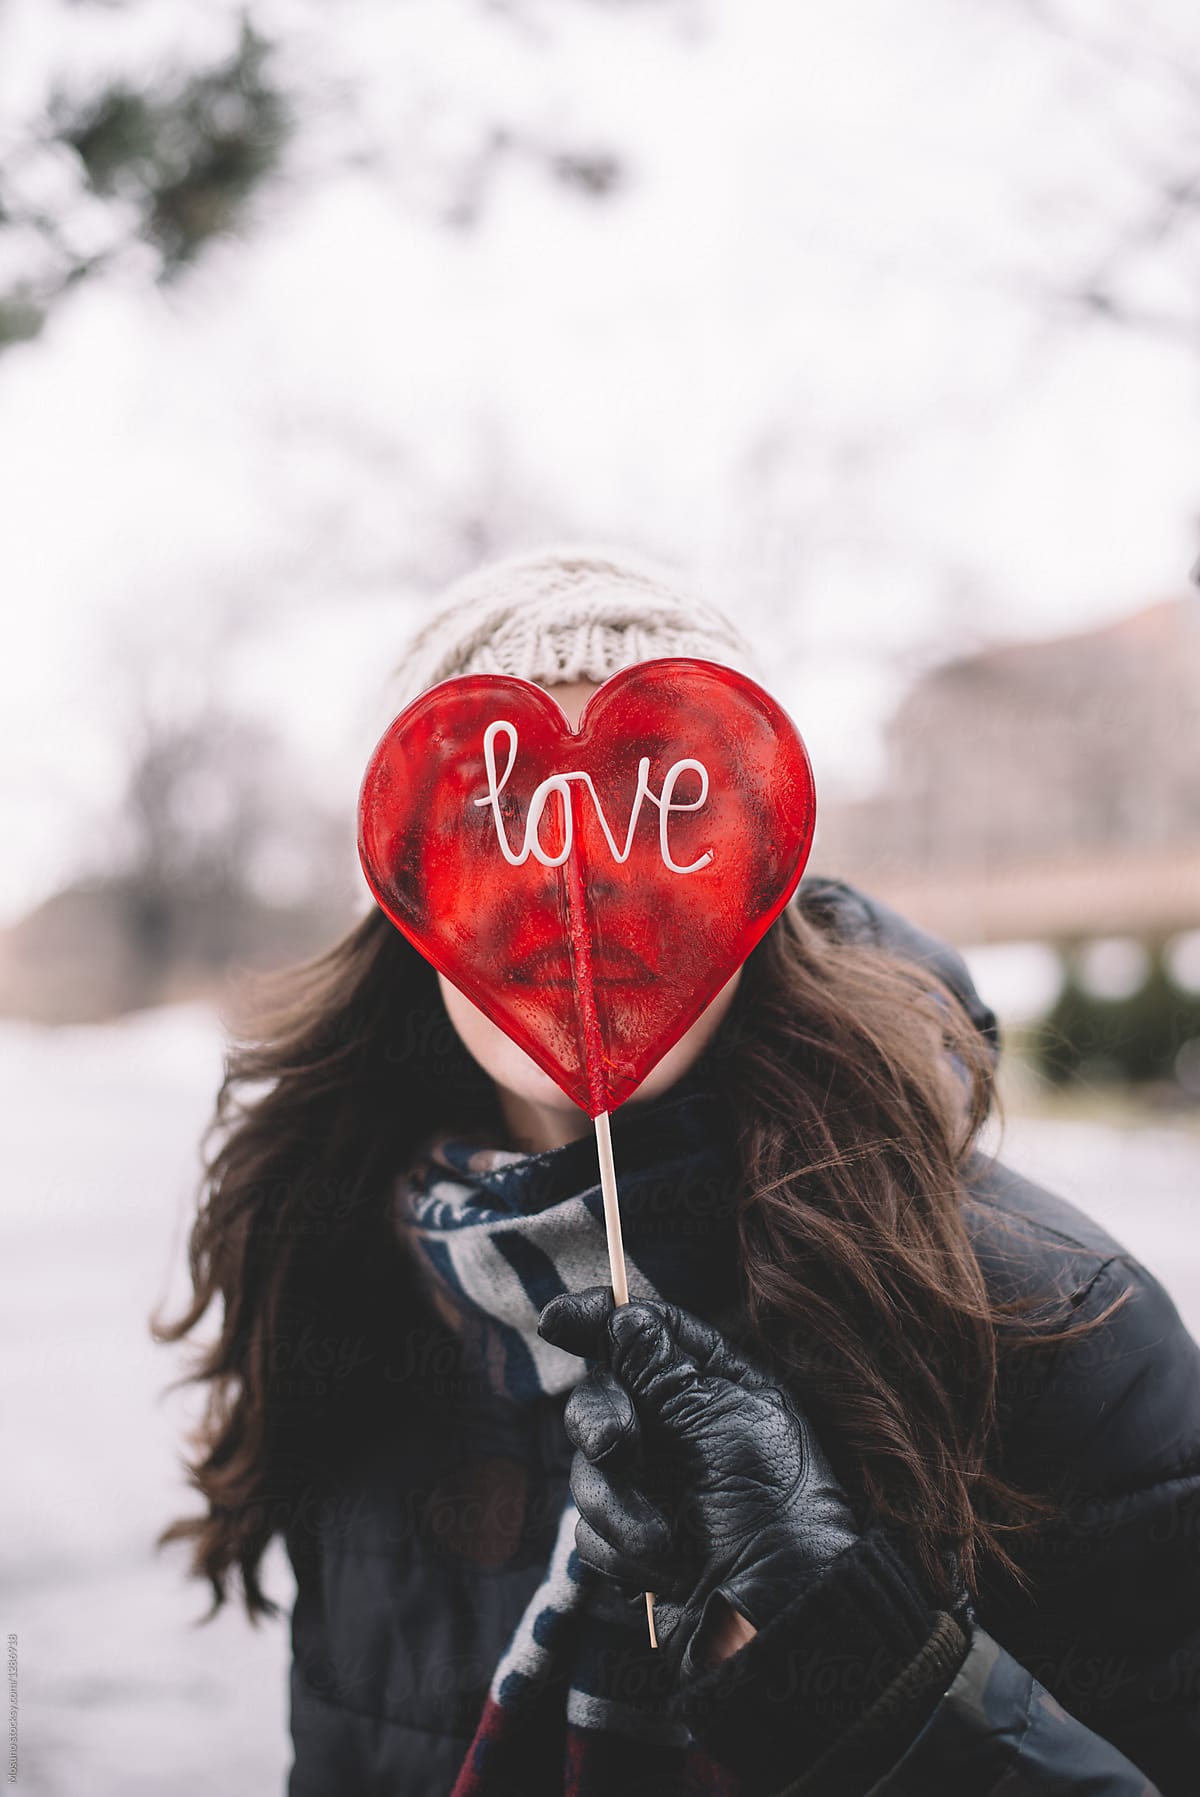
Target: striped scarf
(578, 1705)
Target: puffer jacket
(421, 1552)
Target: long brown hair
(859, 1279)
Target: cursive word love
(560, 784)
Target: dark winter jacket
(423, 1550)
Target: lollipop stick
(616, 1261)
(580, 940)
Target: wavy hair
(859, 1086)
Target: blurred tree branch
(160, 166)
(1169, 206)
(170, 168)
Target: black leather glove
(695, 1472)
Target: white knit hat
(563, 613)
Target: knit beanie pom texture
(562, 614)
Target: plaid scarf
(578, 1704)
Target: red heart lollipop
(590, 890)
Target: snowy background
(881, 320)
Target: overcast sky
(810, 349)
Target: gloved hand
(695, 1472)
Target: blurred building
(1042, 789)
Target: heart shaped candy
(591, 890)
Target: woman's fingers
(647, 1334)
(599, 1417)
(619, 1512)
(575, 1321)
(589, 1324)
(663, 1380)
(604, 1558)
(620, 1532)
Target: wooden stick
(616, 1260)
(579, 938)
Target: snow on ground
(119, 1694)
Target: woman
(907, 1448)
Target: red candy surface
(671, 873)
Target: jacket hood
(859, 918)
